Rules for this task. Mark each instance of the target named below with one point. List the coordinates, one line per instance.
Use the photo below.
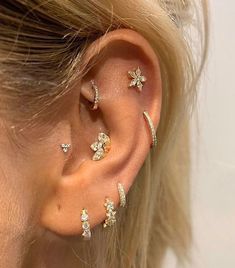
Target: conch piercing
(137, 79)
(101, 147)
(96, 96)
(122, 195)
(85, 225)
(110, 213)
(65, 147)
(151, 127)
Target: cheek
(16, 199)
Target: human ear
(86, 183)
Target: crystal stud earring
(85, 225)
(101, 147)
(110, 213)
(65, 147)
(137, 79)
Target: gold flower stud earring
(137, 79)
(101, 147)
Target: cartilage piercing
(137, 79)
(65, 147)
(101, 147)
(151, 128)
(96, 96)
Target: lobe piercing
(85, 225)
(110, 213)
(137, 79)
(151, 128)
(101, 147)
(96, 97)
(65, 147)
(122, 195)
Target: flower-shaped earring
(137, 79)
(101, 147)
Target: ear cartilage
(110, 213)
(151, 128)
(122, 195)
(85, 225)
(65, 147)
(138, 79)
(101, 147)
(96, 96)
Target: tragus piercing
(85, 225)
(122, 195)
(110, 213)
(96, 96)
(137, 79)
(101, 147)
(65, 147)
(151, 128)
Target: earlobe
(124, 90)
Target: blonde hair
(42, 44)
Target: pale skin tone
(42, 189)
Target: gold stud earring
(110, 213)
(101, 147)
(96, 96)
(122, 195)
(137, 79)
(151, 128)
(85, 225)
(65, 147)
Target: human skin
(42, 190)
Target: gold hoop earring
(110, 213)
(151, 128)
(122, 195)
(85, 225)
(96, 96)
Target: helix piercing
(96, 96)
(65, 147)
(101, 147)
(85, 225)
(110, 213)
(122, 195)
(151, 127)
(137, 79)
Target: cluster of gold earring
(110, 213)
(102, 146)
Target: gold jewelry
(65, 147)
(101, 147)
(151, 127)
(137, 79)
(85, 225)
(122, 195)
(96, 96)
(110, 213)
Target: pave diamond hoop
(85, 225)
(96, 96)
(110, 213)
(122, 195)
(151, 128)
